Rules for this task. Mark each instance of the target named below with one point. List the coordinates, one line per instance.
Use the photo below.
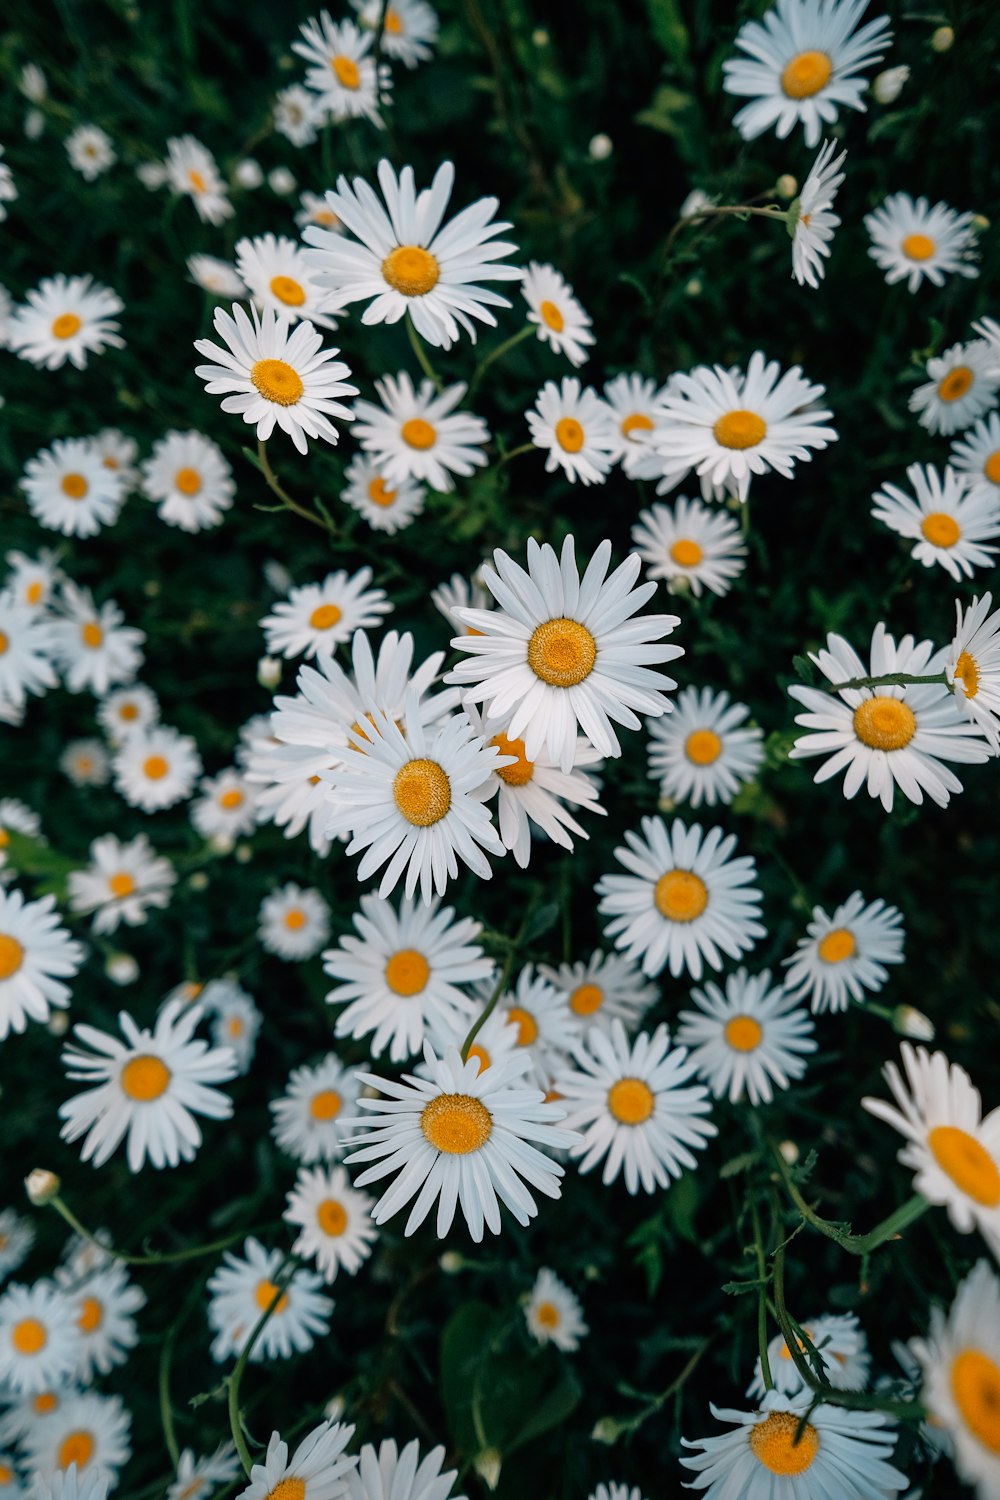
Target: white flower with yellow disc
(189, 480)
(386, 506)
(553, 1313)
(318, 617)
(245, 1286)
(65, 318)
(122, 882)
(308, 1116)
(334, 1219)
(748, 1040)
(417, 434)
(39, 1337)
(700, 752)
(845, 955)
(293, 923)
(602, 987)
(973, 665)
(36, 955)
(556, 313)
(349, 83)
(690, 546)
(911, 240)
(275, 271)
(156, 767)
(70, 489)
(962, 386)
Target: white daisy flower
(462, 1137)
(495, 1040)
(277, 275)
(318, 1470)
(577, 429)
(235, 1019)
(118, 452)
(911, 240)
(39, 1337)
(385, 1473)
(289, 792)
(562, 654)
(838, 1452)
(803, 63)
(21, 1414)
(637, 1106)
(104, 1307)
(385, 506)
(276, 375)
(25, 653)
(335, 1220)
(814, 223)
(299, 114)
(960, 1365)
(952, 1149)
(33, 580)
(88, 1431)
(36, 955)
(728, 428)
(91, 645)
(307, 1119)
(973, 665)
(556, 313)
(321, 616)
(417, 434)
(90, 151)
(685, 901)
(191, 170)
(617, 1492)
(409, 30)
(975, 456)
(461, 593)
(156, 768)
(963, 385)
(886, 736)
(86, 763)
(293, 923)
(403, 261)
(554, 1314)
(350, 84)
(637, 407)
(221, 279)
(8, 187)
(281, 181)
(603, 987)
(244, 1286)
(126, 710)
(198, 1478)
(189, 479)
(224, 808)
(15, 817)
(152, 175)
(121, 884)
(840, 1343)
(147, 1089)
(65, 318)
(699, 753)
(69, 488)
(547, 1029)
(314, 210)
(747, 1040)
(17, 1235)
(845, 955)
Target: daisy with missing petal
(637, 409)
(555, 312)
(911, 241)
(975, 456)
(576, 427)
(417, 434)
(199, 1478)
(839, 1341)
(33, 580)
(403, 261)
(699, 753)
(39, 1338)
(546, 1027)
(25, 654)
(814, 223)
(637, 1105)
(69, 489)
(90, 151)
(298, 114)
(224, 808)
(321, 616)
(601, 988)
(553, 1314)
(973, 665)
(217, 276)
(747, 1040)
(276, 375)
(307, 1119)
(349, 82)
(121, 884)
(86, 763)
(886, 736)
(562, 654)
(146, 1090)
(189, 480)
(191, 170)
(318, 1469)
(92, 646)
(410, 28)
(275, 270)
(839, 1452)
(88, 1431)
(953, 1151)
(36, 955)
(104, 1307)
(245, 1286)
(385, 1473)
(462, 1137)
(963, 385)
(156, 768)
(335, 1220)
(386, 507)
(17, 1236)
(727, 429)
(65, 318)
(293, 923)
(685, 902)
(803, 61)
(127, 709)
(690, 546)
(845, 955)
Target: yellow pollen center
(379, 492)
(234, 1026)
(521, 772)
(481, 1055)
(4, 643)
(772, 1443)
(29, 1336)
(128, 712)
(4, 841)
(411, 270)
(417, 433)
(837, 945)
(562, 652)
(11, 955)
(631, 1101)
(121, 884)
(277, 381)
(637, 422)
(975, 1384)
(422, 792)
(680, 896)
(44, 1403)
(551, 316)
(289, 1488)
(231, 799)
(288, 290)
(884, 723)
(940, 529)
(407, 972)
(66, 325)
(155, 767)
(295, 919)
(967, 674)
(76, 1448)
(569, 435)
(265, 1294)
(685, 553)
(346, 71)
(806, 74)
(991, 468)
(145, 1078)
(744, 1034)
(527, 1026)
(547, 1314)
(392, 23)
(92, 635)
(456, 1123)
(188, 481)
(35, 590)
(703, 747)
(586, 999)
(955, 384)
(325, 616)
(331, 1217)
(969, 1165)
(918, 247)
(740, 429)
(197, 181)
(74, 486)
(6, 1474)
(326, 1105)
(91, 1315)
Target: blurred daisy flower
(36, 955)
(39, 1337)
(77, 1450)
(912, 240)
(976, 456)
(86, 763)
(334, 1219)
(689, 545)
(189, 480)
(223, 810)
(347, 79)
(127, 709)
(122, 882)
(8, 187)
(700, 753)
(191, 170)
(546, 1027)
(26, 659)
(92, 646)
(973, 665)
(747, 1041)
(409, 31)
(842, 1348)
(950, 524)
(235, 1019)
(417, 434)
(33, 580)
(90, 151)
(554, 1314)
(575, 427)
(293, 923)
(386, 507)
(17, 1235)
(217, 276)
(314, 210)
(299, 114)
(556, 313)
(845, 955)
(814, 223)
(637, 410)
(317, 617)
(307, 1118)
(602, 987)
(199, 1478)
(104, 1306)
(963, 385)
(69, 488)
(245, 1286)
(156, 767)
(277, 276)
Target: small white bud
(335, 1408)
(980, 223)
(281, 181)
(694, 287)
(34, 124)
(221, 843)
(942, 39)
(277, 576)
(451, 1262)
(787, 185)
(695, 203)
(151, 588)
(679, 585)
(58, 1023)
(249, 173)
(152, 174)
(269, 672)
(908, 1021)
(889, 84)
(601, 147)
(121, 968)
(789, 1152)
(487, 1465)
(540, 37)
(41, 1186)
(607, 1430)
(244, 854)
(198, 881)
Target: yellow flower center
(969, 1165)
(562, 652)
(277, 381)
(481, 1055)
(197, 182)
(685, 553)
(407, 972)
(521, 772)
(74, 486)
(586, 999)
(740, 429)
(331, 1217)
(234, 1026)
(4, 643)
(991, 468)
(66, 325)
(392, 23)
(121, 884)
(91, 1315)
(29, 1336)
(772, 1443)
(92, 635)
(422, 792)
(6, 1474)
(527, 1026)
(940, 529)
(456, 1123)
(631, 1101)
(4, 835)
(379, 492)
(128, 712)
(680, 896)
(231, 799)
(265, 1294)
(411, 270)
(569, 434)
(918, 247)
(288, 290)
(417, 433)
(155, 767)
(955, 383)
(295, 919)
(326, 1105)
(637, 422)
(35, 590)
(703, 747)
(884, 723)
(975, 1384)
(806, 74)
(744, 1034)
(76, 1448)
(289, 1488)
(325, 616)
(45, 1402)
(968, 674)
(551, 316)
(145, 1078)
(188, 481)
(11, 955)
(346, 71)
(547, 1314)
(837, 945)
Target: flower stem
(513, 949)
(737, 210)
(416, 344)
(235, 1420)
(514, 453)
(163, 1258)
(888, 679)
(854, 1244)
(498, 353)
(758, 1245)
(274, 485)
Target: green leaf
(33, 857)
(803, 667)
(669, 30)
(540, 921)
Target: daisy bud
(221, 843)
(695, 203)
(487, 1466)
(540, 37)
(277, 576)
(908, 1021)
(281, 181)
(34, 124)
(451, 1262)
(694, 287)
(943, 38)
(889, 84)
(58, 1023)
(786, 186)
(249, 173)
(980, 223)
(607, 1430)
(601, 147)
(244, 854)
(789, 1152)
(269, 672)
(121, 968)
(41, 1186)
(335, 1408)
(198, 881)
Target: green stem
(235, 1421)
(758, 1245)
(491, 1004)
(889, 679)
(498, 353)
(718, 211)
(379, 32)
(163, 1377)
(274, 485)
(515, 453)
(156, 1259)
(854, 1244)
(416, 344)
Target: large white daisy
(912, 240)
(950, 524)
(36, 955)
(65, 318)
(317, 1470)
(388, 1473)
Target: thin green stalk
(379, 31)
(854, 1244)
(718, 211)
(274, 485)
(758, 1245)
(235, 1422)
(416, 344)
(515, 453)
(889, 679)
(163, 1258)
(491, 1004)
(498, 353)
